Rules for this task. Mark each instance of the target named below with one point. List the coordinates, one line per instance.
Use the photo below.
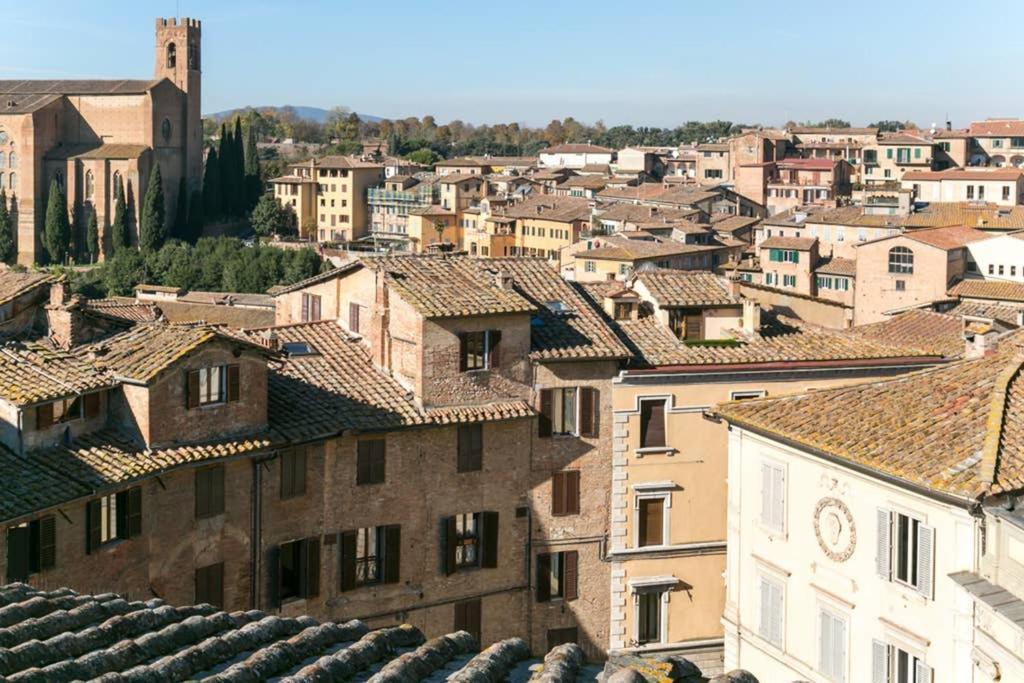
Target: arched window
(172, 56)
(13, 161)
(13, 184)
(90, 185)
(901, 261)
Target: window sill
(654, 450)
(773, 534)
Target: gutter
(721, 368)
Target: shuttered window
(773, 496)
(44, 416)
(590, 400)
(893, 664)
(210, 585)
(293, 472)
(650, 521)
(905, 551)
(91, 403)
(648, 617)
(832, 645)
(770, 624)
(112, 517)
(479, 350)
(557, 576)
(471, 448)
(370, 556)
(565, 493)
(212, 385)
(310, 307)
(652, 424)
(298, 569)
(209, 491)
(559, 411)
(467, 617)
(469, 540)
(31, 548)
(353, 318)
(370, 459)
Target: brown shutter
(192, 389)
(467, 617)
(348, 560)
(202, 494)
(47, 542)
(652, 424)
(353, 318)
(392, 553)
(651, 512)
(489, 533)
(494, 352)
(462, 352)
(122, 514)
(543, 577)
(301, 462)
(92, 526)
(449, 541)
(588, 411)
(362, 462)
(233, 382)
(44, 415)
(570, 575)
(572, 492)
(470, 456)
(134, 511)
(379, 461)
(287, 474)
(217, 489)
(310, 567)
(315, 312)
(305, 308)
(546, 410)
(17, 553)
(91, 405)
(558, 493)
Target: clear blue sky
(644, 63)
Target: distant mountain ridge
(307, 113)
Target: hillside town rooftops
(576, 148)
(681, 288)
(549, 208)
(797, 243)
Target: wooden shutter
(233, 382)
(546, 413)
(305, 308)
(572, 492)
(192, 389)
(273, 564)
(348, 560)
(134, 511)
(448, 544)
(652, 424)
(489, 536)
(587, 398)
(694, 326)
(353, 318)
(543, 577)
(651, 515)
(17, 553)
(883, 543)
(309, 566)
(463, 357)
(925, 559)
(879, 662)
(47, 542)
(570, 575)
(202, 494)
(315, 312)
(217, 489)
(764, 626)
(93, 519)
(558, 493)
(122, 514)
(91, 405)
(779, 498)
(287, 474)
(470, 454)
(494, 350)
(392, 553)
(44, 416)
(467, 617)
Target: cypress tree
(153, 229)
(240, 199)
(195, 216)
(92, 237)
(6, 230)
(226, 165)
(57, 229)
(119, 228)
(252, 167)
(181, 212)
(211, 186)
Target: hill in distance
(307, 113)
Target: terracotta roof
(97, 151)
(993, 128)
(732, 224)
(979, 174)
(807, 164)
(686, 195)
(13, 283)
(999, 290)
(325, 276)
(29, 486)
(549, 208)
(686, 288)
(956, 429)
(798, 243)
(338, 161)
(576, 148)
(618, 247)
(625, 212)
(932, 333)
(834, 131)
(641, 192)
(579, 332)
(589, 182)
(933, 215)
(902, 139)
(713, 147)
(239, 317)
(77, 87)
(952, 237)
(125, 309)
(456, 178)
(1006, 313)
(33, 372)
(836, 266)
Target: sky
(653, 63)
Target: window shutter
(470, 439)
(765, 621)
(217, 489)
(348, 560)
(47, 542)
(839, 648)
(134, 511)
(766, 494)
(17, 553)
(587, 412)
(825, 642)
(779, 498)
(300, 462)
(922, 673)
(287, 474)
(572, 492)
(233, 382)
(543, 577)
(925, 559)
(92, 526)
(202, 494)
(378, 461)
(462, 352)
(558, 493)
(305, 307)
(91, 405)
(570, 574)
(883, 545)
(652, 424)
(448, 543)
(651, 521)
(316, 307)
(796, 257)
(777, 612)
(192, 389)
(879, 662)
(494, 350)
(489, 552)
(122, 514)
(44, 416)
(546, 410)
(273, 577)
(311, 568)
(353, 318)
(392, 553)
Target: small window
(557, 576)
(773, 496)
(901, 285)
(893, 664)
(467, 534)
(558, 411)
(311, 306)
(901, 261)
(209, 491)
(832, 643)
(771, 621)
(649, 616)
(31, 548)
(906, 550)
(293, 472)
(210, 585)
(651, 520)
(652, 424)
(370, 461)
(298, 569)
(746, 395)
(212, 385)
(478, 350)
(298, 348)
(565, 493)
(112, 517)
(467, 617)
(353, 318)
(470, 448)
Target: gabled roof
(836, 266)
(953, 237)
(993, 128)
(798, 243)
(34, 372)
(550, 208)
(13, 283)
(997, 290)
(933, 333)
(681, 288)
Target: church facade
(93, 135)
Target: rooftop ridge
(996, 421)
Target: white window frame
(653, 491)
(206, 374)
(884, 660)
(108, 518)
(768, 525)
(663, 586)
(842, 616)
(925, 566)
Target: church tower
(178, 54)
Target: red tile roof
(997, 128)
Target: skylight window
(299, 348)
(557, 307)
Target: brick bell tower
(178, 58)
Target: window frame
(469, 448)
(844, 666)
(652, 492)
(774, 581)
(769, 525)
(901, 260)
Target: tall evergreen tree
(240, 202)
(6, 230)
(92, 237)
(181, 212)
(211, 186)
(57, 229)
(119, 227)
(77, 241)
(253, 182)
(153, 228)
(195, 216)
(225, 162)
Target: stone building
(92, 135)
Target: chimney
(949, 125)
(271, 340)
(979, 337)
(733, 281)
(504, 280)
(64, 320)
(751, 316)
(59, 293)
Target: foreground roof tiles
(933, 333)
(999, 290)
(686, 288)
(14, 284)
(34, 372)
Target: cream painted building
(999, 186)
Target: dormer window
(212, 385)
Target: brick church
(91, 135)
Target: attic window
(299, 348)
(557, 307)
